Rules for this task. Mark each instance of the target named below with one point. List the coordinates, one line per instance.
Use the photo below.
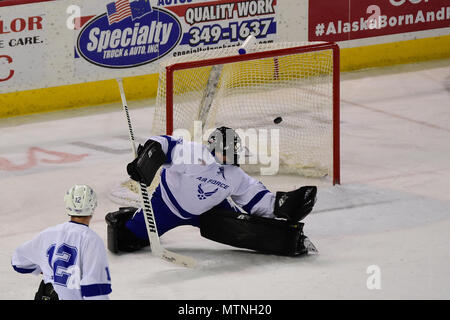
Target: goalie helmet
(80, 201)
(227, 142)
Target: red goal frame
(268, 54)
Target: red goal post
(307, 52)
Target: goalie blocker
(272, 236)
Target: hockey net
(294, 83)
(287, 94)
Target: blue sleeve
(23, 270)
(98, 289)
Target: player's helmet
(226, 141)
(80, 201)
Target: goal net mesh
(286, 101)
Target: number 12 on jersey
(65, 272)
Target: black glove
(132, 166)
(295, 205)
(46, 292)
(149, 159)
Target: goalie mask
(80, 200)
(227, 143)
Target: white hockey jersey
(72, 257)
(192, 182)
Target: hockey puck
(277, 120)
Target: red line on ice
(32, 160)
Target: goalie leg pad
(279, 237)
(119, 237)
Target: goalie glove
(132, 166)
(295, 205)
(150, 158)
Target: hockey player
(196, 181)
(70, 256)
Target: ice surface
(392, 209)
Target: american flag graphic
(117, 11)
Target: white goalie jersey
(72, 257)
(192, 182)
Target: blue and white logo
(129, 34)
(202, 195)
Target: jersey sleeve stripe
(96, 290)
(172, 143)
(23, 270)
(249, 206)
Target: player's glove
(46, 292)
(132, 166)
(150, 158)
(295, 205)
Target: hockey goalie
(203, 186)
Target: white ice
(392, 210)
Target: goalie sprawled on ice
(196, 183)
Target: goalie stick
(213, 81)
(209, 94)
(150, 223)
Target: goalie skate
(309, 247)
